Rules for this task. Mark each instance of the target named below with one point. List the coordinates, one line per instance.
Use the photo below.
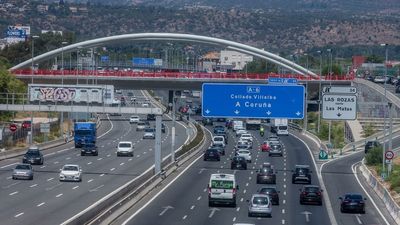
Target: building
(358, 60)
(236, 59)
(209, 61)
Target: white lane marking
(241, 199)
(90, 180)
(249, 178)
(283, 211)
(358, 219)
(121, 164)
(112, 169)
(72, 147)
(237, 209)
(75, 187)
(284, 174)
(89, 163)
(40, 204)
(284, 179)
(108, 155)
(8, 178)
(244, 191)
(251, 172)
(78, 154)
(205, 189)
(284, 193)
(52, 178)
(284, 201)
(184, 217)
(15, 192)
(283, 221)
(102, 146)
(33, 185)
(42, 167)
(8, 165)
(59, 195)
(51, 188)
(112, 126)
(247, 184)
(354, 169)
(101, 174)
(130, 159)
(161, 191)
(284, 186)
(68, 158)
(198, 198)
(192, 207)
(99, 159)
(19, 214)
(56, 162)
(222, 167)
(138, 156)
(234, 219)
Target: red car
(26, 124)
(265, 147)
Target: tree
(374, 59)
(336, 70)
(374, 156)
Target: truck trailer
(84, 132)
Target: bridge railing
(162, 74)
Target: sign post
(252, 101)
(322, 154)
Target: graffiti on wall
(57, 94)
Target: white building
(236, 59)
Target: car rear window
(260, 200)
(356, 197)
(311, 189)
(222, 184)
(218, 139)
(22, 167)
(33, 152)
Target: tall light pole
(384, 116)
(306, 105)
(33, 72)
(62, 83)
(319, 91)
(330, 84)
(77, 64)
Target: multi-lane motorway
(186, 200)
(46, 200)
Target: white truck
(281, 126)
(253, 124)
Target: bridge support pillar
(157, 151)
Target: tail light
(319, 193)
(234, 191)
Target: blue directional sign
(143, 61)
(281, 81)
(104, 58)
(253, 101)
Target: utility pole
(384, 116)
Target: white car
(220, 140)
(246, 142)
(140, 126)
(240, 132)
(134, 119)
(244, 153)
(71, 172)
(246, 136)
(125, 148)
(145, 104)
(149, 135)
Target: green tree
(374, 59)
(336, 69)
(374, 156)
(368, 130)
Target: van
(282, 130)
(237, 124)
(219, 140)
(222, 189)
(125, 148)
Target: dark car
(33, 156)
(229, 124)
(212, 154)
(219, 128)
(207, 121)
(223, 134)
(302, 173)
(397, 90)
(220, 147)
(370, 145)
(352, 203)
(89, 149)
(26, 124)
(271, 192)
(266, 175)
(151, 117)
(310, 194)
(162, 127)
(238, 162)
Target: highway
(186, 200)
(46, 200)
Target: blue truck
(84, 132)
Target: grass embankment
(194, 142)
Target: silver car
(23, 171)
(275, 149)
(260, 204)
(71, 172)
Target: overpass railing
(162, 74)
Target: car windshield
(70, 168)
(244, 152)
(214, 151)
(266, 170)
(354, 197)
(302, 170)
(238, 159)
(83, 132)
(242, 146)
(141, 124)
(33, 152)
(311, 189)
(22, 167)
(223, 184)
(149, 130)
(218, 145)
(260, 200)
(218, 139)
(276, 146)
(125, 145)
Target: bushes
(194, 142)
(374, 156)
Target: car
(310, 194)
(23, 171)
(118, 91)
(222, 133)
(71, 172)
(397, 90)
(218, 128)
(275, 149)
(26, 124)
(125, 148)
(265, 146)
(151, 117)
(302, 173)
(149, 133)
(207, 121)
(266, 175)
(242, 147)
(134, 119)
(212, 154)
(218, 140)
(238, 162)
(33, 156)
(352, 202)
(244, 153)
(260, 205)
(89, 149)
(229, 124)
(245, 142)
(273, 138)
(370, 145)
(145, 104)
(271, 192)
(220, 147)
(246, 136)
(379, 79)
(140, 126)
(163, 127)
(240, 131)
(222, 189)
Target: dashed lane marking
(38, 205)
(50, 179)
(121, 164)
(68, 158)
(112, 169)
(198, 198)
(99, 159)
(59, 195)
(237, 209)
(75, 187)
(15, 192)
(90, 180)
(19, 214)
(184, 217)
(89, 163)
(192, 207)
(101, 174)
(33, 185)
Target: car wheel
(363, 211)
(249, 161)
(258, 181)
(293, 181)
(342, 210)
(233, 205)
(14, 178)
(131, 154)
(320, 203)
(245, 168)
(117, 154)
(269, 154)
(231, 167)
(210, 204)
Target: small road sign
(339, 90)
(282, 81)
(322, 154)
(13, 127)
(45, 127)
(389, 155)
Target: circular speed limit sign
(389, 155)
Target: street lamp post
(384, 116)
(33, 72)
(319, 91)
(330, 84)
(62, 83)
(306, 105)
(77, 64)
